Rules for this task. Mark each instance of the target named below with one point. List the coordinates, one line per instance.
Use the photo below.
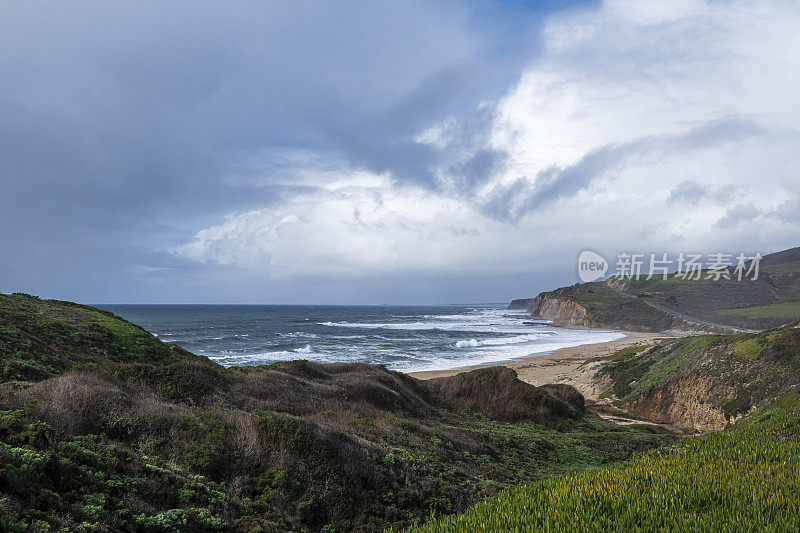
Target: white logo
(591, 266)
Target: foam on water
(402, 338)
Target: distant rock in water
(521, 304)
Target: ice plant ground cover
(744, 478)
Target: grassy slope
(743, 479)
(608, 308)
(785, 310)
(733, 374)
(746, 478)
(44, 338)
(103, 427)
(745, 303)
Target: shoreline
(565, 365)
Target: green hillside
(105, 428)
(743, 479)
(44, 338)
(771, 300)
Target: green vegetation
(630, 350)
(619, 354)
(773, 299)
(103, 427)
(718, 378)
(635, 375)
(744, 479)
(96, 485)
(43, 338)
(748, 348)
(606, 307)
(784, 310)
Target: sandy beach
(567, 365)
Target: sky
(371, 152)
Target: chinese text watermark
(684, 266)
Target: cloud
(788, 211)
(281, 150)
(554, 183)
(585, 148)
(629, 87)
(359, 226)
(738, 214)
(138, 124)
(689, 192)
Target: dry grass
(79, 402)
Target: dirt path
(607, 411)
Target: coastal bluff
(595, 305)
(676, 302)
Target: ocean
(404, 338)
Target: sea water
(403, 338)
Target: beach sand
(567, 365)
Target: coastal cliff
(595, 305)
(659, 304)
(562, 309)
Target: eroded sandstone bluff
(598, 305)
(705, 382)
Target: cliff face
(703, 383)
(595, 305)
(546, 305)
(685, 404)
(570, 313)
(562, 308)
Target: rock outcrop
(546, 305)
(521, 304)
(564, 310)
(685, 404)
(596, 305)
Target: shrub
(748, 348)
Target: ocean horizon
(406, 338)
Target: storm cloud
(354, 151)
